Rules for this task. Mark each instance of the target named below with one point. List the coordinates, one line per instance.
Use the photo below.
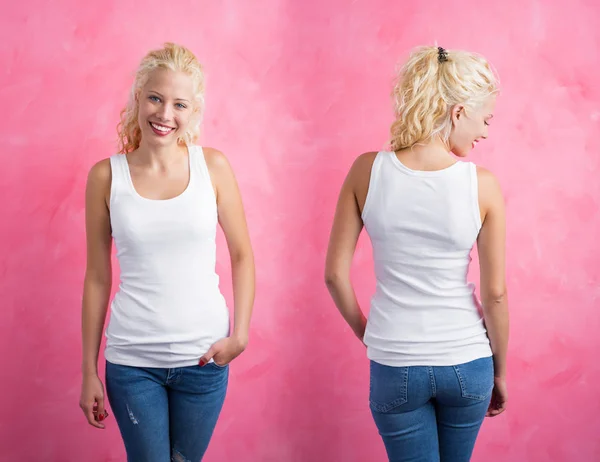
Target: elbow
(99, 279)
(495, 296)
(333, 278)
(330, 279)
(242, 256)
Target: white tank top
(168, 309)
(422, 226)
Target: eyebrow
(176, 99)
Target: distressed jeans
(166, 415)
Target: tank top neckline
(171, 199)
(426, 173)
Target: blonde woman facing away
(437, 365)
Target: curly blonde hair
(429, 84)
(173, 57)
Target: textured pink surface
(294, 94)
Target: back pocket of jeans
(388, 387)
(476, 378)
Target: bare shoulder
(360, 172)
(490, 192)
(487, 180)
(220, 171)
(100, 174)
(215, 159)
(98, 186)
(364, 161)
(359, 177)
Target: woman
(436, 367)
(168, 341)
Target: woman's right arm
(96, 288)
(491, 248)
(345, 231)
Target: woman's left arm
(233, 222)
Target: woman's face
(166, 107)
(469, 126)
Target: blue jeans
(430, 414)
(166, 414)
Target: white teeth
(160, 128)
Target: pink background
(295, 93)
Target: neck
(434, 149)
(161, 156)
(433, 155)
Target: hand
(224, 351)
(499, 397)
(91, 401)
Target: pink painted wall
(294, 94)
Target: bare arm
(491, 248)
(346, 229)
(97, 284)
(233, 222)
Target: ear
(457, 112)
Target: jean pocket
(218, 366)
(476, 379)
(388, 387)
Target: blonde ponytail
(429, 84)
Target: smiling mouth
(161, 129)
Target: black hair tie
(442, 55)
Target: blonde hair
(429, 84)
(175, 58)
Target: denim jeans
(430, 414)
(166, 414)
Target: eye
(181, 106)
(154, 98)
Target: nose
(165, 112)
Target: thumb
(101, 411)
(207, 356)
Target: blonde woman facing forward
(169, 343)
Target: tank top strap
(119, 176)
(473, 180)
(198, 162)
